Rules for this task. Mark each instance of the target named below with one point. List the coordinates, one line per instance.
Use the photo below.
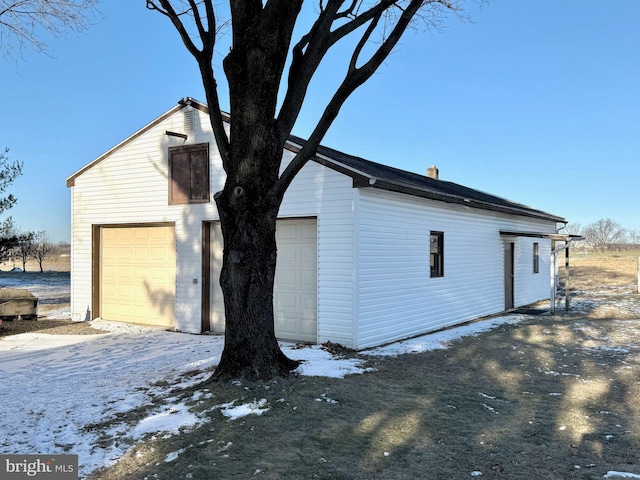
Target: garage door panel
(309, 231)
(296, 280)
(137, 273)
(309, 254)
(288, 257)
(286, 231)
(288, 277)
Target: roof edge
(467, 202)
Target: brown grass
(553, 397)
(593, 272)
(48, 326)
(57, 263)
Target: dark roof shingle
(376, 175)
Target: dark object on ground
(532, 311)
(18, 304)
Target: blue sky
(538, 102)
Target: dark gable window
(189, 174)
(536, 258)
(437, 254)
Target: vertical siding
(131, 186)
(397, 298)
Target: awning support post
(567, 298)
(552, 280)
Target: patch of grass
(48, 326)
(603, 271)
(609, 254)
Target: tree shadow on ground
(552, 397)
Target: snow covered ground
(54, 386)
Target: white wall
(131, 186)
(397, 296)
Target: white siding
(373, 284)
(328, 195)
(131, 186)
(398, 298)
(529, 286)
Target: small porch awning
(563, 237)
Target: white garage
(295, 286)
(358, 242)
(137, 274)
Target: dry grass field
(57, 263)
(611, 271)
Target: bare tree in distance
(573, 228)
(633, 237)
(22, 22)
(24, 249)
(601, 234)
(42, 248)
(268, 73)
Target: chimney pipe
(433, 172)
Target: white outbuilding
(367, 254)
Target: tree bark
(247, 205)
(248, 269)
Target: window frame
(436, 259)
(536, 257)
(197, 156)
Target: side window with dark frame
(189, 174)
(436, 249)
(536, 258)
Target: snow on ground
(56, 387)
(441, 339)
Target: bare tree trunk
(248, 270)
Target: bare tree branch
(204, 58)
(23, 21)
(309, 52)
(355, 77)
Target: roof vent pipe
(433, 172)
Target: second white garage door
(295, 287)
(138, 274)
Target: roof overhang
(464, 201)
(563, 237)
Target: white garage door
(138, 274)
(295, 287)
